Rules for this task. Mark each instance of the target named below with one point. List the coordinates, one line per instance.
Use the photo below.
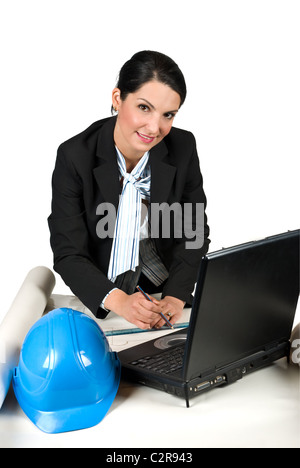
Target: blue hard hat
(67, 377)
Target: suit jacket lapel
(107, 173)
(162, 174)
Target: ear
(116, 99)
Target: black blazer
(85, 175)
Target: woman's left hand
(172, 308)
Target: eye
(144, 108)
(170, 115)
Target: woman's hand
(135, 308)
(172, 308)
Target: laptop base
(223, 376)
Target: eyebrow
(152, 106)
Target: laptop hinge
(273, 345)
(208, 372)
(269, 347)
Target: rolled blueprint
(27, 307)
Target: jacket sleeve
(187, 253)
(69, 238)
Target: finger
(150, 306)
(141, 323)
(144, 315)
(155, 301)
(153, 304)
(162, 323)
(148, 317)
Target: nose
(153, 126)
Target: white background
(59, 63)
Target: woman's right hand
(135, 308)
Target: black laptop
(242, 317)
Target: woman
(125, 165)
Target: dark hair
(147, 66)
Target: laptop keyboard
(164, 363)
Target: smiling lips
(145, 138)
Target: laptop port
(203, 386)
(220, 379)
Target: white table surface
(261, 410)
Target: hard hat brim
(71, 419)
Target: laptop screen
(245, 302)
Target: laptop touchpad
(169, 341)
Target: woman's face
(144, 117)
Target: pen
(161, 314)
